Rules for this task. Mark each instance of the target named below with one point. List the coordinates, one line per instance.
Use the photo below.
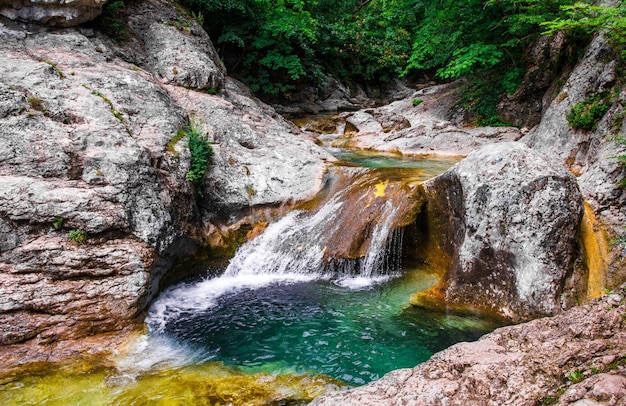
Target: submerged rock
(503, 225)
(526, 364)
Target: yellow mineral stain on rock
(595, 253)
(380, 189)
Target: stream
(283, 322)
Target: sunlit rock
(503, 227)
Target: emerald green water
(314, 326)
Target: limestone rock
(259, 158)
(517, 365)
(422, 129)
(60, 13)
(176, 48)
(509, 224)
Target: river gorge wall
(90, 145)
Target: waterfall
(299, 244)
(351, 238)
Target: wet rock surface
(575, 358)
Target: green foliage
(417, 102)
(112, 21)
(586, 114)
(77, 236)
(456, 38)
(576, 376)
(58, 223)
(590, 18)
(275, 45)
(201, 153)
(482, 94)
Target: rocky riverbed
(95, 205)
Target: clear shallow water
(431, 166)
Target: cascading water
(297, 244)
(297, 248)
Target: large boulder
(502, 225)
(61, 13)
(575, 358)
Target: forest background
(279, 46)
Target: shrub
(77, 236)
(585, 115)
(201, 153)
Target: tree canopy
(275, 45)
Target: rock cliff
(94, 200)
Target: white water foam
(294, 244)
(203, 295)
(290, 250)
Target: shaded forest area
(279, 46)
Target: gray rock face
(512, 232)
(60, 13)
(85, 144)
(590, 155)
(83, 147)
(425, 129)
(259, 158)
(176, 48)
(516, 365)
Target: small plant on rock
(35, 103)
(576, 376)
(77, 236)
(58, 223)
(201, 153)
(586, 114)
(417, 102)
